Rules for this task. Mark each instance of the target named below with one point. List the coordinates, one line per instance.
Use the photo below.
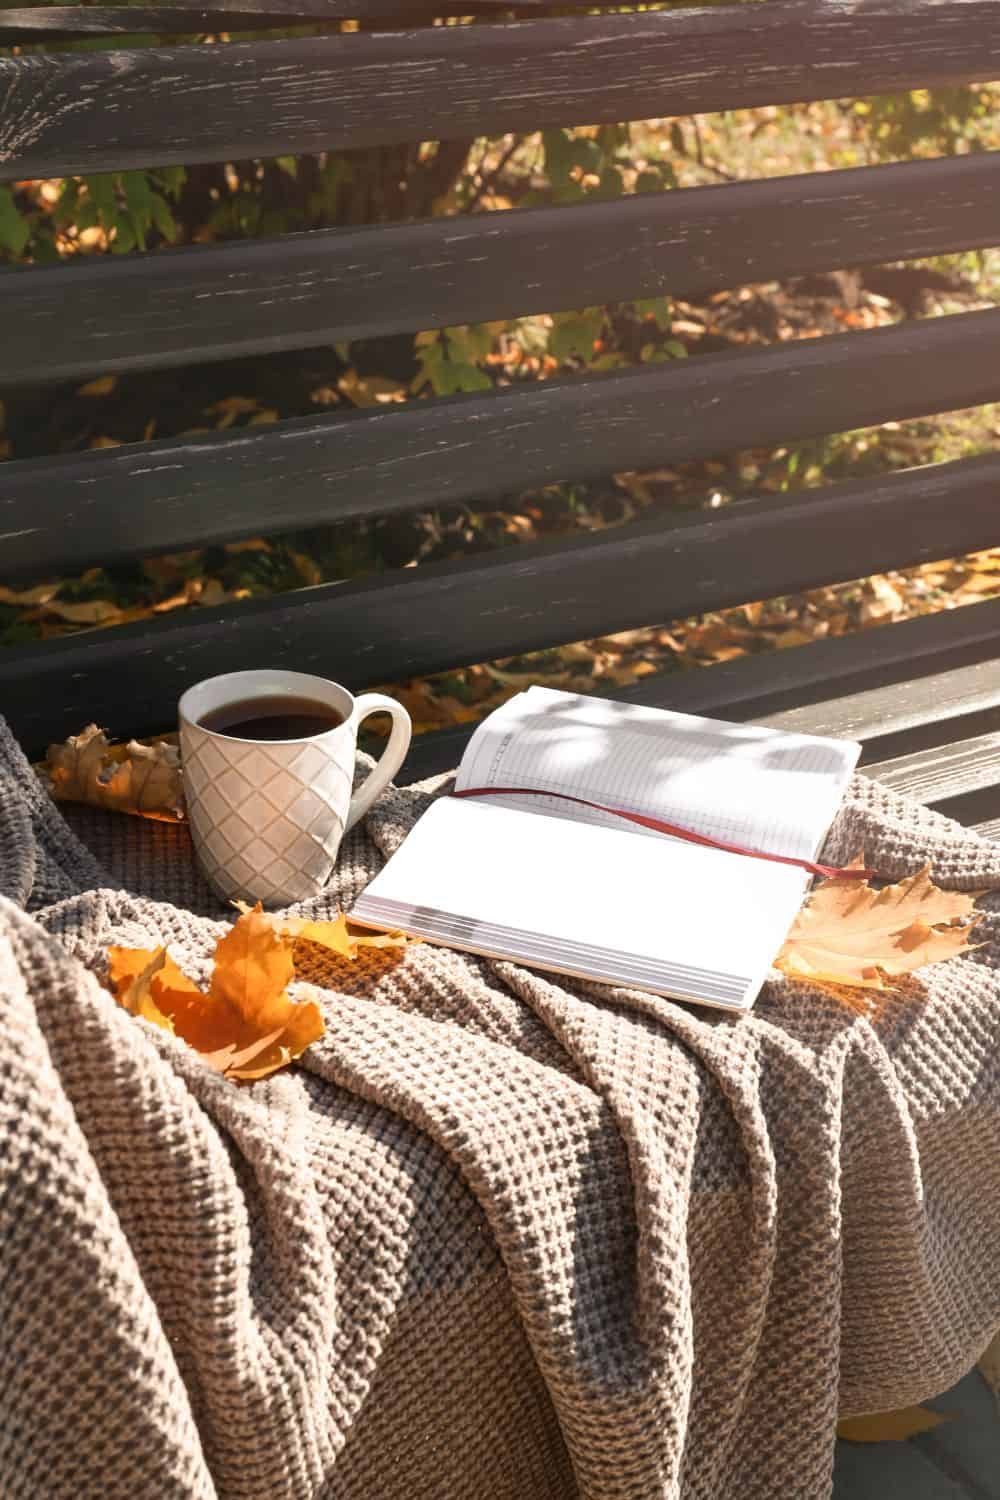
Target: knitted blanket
(499, 1236)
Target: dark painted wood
(59, 513)
(907, 714)
(46, 22)
(217, 302)
(423, 620)
(922, 682)
(95, 111)
(896, 688)
(25, 26)
(978, 809)
(57, 22)
(33, 24)
(953, 769)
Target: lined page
(665, 916)
(759, 788)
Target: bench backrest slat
(35, 23)
(97, 506)
(518, 599)
(99, 111)
(104, 315)
(32, 24)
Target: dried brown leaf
(231, 407)
(849, 933)
(882, 600)
(29, 598)
(102, 386)
(133, 778)
(370, 390)
(90, 612)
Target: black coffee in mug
(278, 717)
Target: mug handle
(392, 756)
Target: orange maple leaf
(247, 1025)
(133, 971)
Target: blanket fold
(498, 1234)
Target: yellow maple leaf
(849, 934)
(333, 935)
(339, 936)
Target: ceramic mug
(267, 816)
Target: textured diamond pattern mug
(267, 816)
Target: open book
(561, 886)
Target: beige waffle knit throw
(498, 1237)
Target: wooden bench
(923, 695)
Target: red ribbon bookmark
(830, 872)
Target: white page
(747, 785)
(662, 915)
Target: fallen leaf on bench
(132, 778)
(891, 1426)
(246, 1026)
(132, 973)
(340, 936)
(848, 933)
(332, 935)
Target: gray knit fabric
(498, 1237)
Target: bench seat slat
(948, 770)
(975, 809)
(99, 111)
(67, 511)
(217, 302)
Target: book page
(662, 915)
(759, 788)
